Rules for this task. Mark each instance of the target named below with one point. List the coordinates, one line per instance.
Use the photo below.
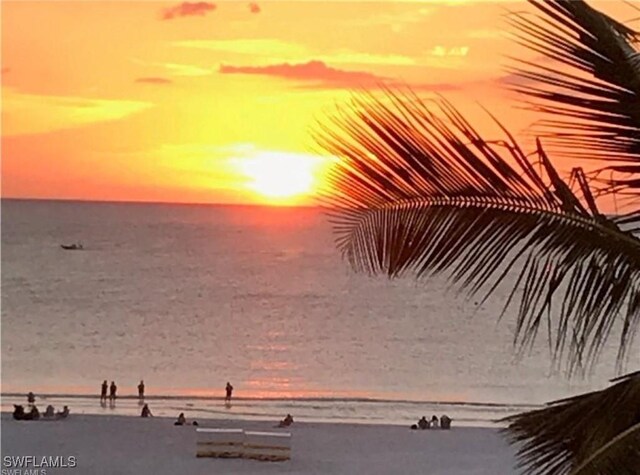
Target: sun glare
(281, 177)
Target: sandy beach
(129, 445)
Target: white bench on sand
(221, 443)
(271, 446)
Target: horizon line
(151, 202)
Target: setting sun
(281, 176)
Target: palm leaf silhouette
(595, 107)
(589, 87)
(418, 190)
(577, 437)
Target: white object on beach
(220, 443)
(271, 446)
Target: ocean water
(188, 297)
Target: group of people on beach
(146, 411)
(423, 423)
(182, 421)
(113, 391)
(19, 412)
(33, 414)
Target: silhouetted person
(181, 420)
(18, 412)
(50, 412)
(112, 392)
(31, 398)
(445, 422)
(103, 391)
(434, 422)
(423, 423)
(286, 422)
(141, 390)
(146, 412)
(64, 413)
(229, 390)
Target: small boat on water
(72, 247)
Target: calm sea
(190, 297)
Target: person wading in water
(229, 390)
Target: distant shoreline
(182, 397)
(160, 203)
(206, 204)
(313, 410)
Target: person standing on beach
(31, 398)
(103, 391)
(112, 392)
(141, 390)
(229, 390)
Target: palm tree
(595, 433)
(417, 190)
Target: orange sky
(213, 102)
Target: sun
(281, 176)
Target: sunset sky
(213, 102)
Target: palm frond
(420, 191)
(592, 434)
(590, 86)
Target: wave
(297, 400)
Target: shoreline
(7, 414)
(178, 397)
(133, 445)
(316, 410)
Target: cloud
(154, 80)
(254, 8)
(177, 69)
(35, 114)
(454, 51)
(186, 69)
(250, 46)
(397, 21)
(279, 51)
(188, 9)
(312, 71)
(353, 57)
(317, 74)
